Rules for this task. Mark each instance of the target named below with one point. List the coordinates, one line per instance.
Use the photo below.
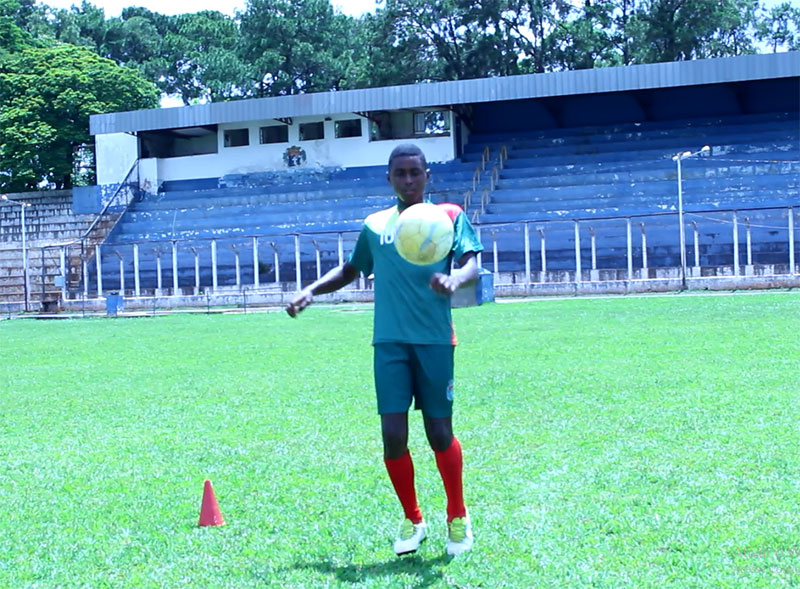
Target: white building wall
(117, 152)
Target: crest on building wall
(294, 156)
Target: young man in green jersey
(413, 341)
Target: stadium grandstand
(628, 179)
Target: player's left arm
(466, 273)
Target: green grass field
(618, 442)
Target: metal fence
(536, 250)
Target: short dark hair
(407, 149)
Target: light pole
(678, 158)
(22, 205)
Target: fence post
(175, 292)
(792, 268)
(297, 273)
(542, 278)
(480, 254)
(749, 269)
(99, 264)
(63, 263)
(319, 261)
(196, 270)
(735, 244)
(277, 263)
(85, 265)
(577, 253)
(630, 248)
(644, 251)
(136, 284)
(256, 277)
(121, 274)
(527, 258)
(494, 257)
(214, 264)
(593, 274)
(237, 266)
(159, 284)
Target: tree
(780, 28)
(46, 97)
(677, 30)
(12, 36)
(296, 46)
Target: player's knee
(440, 435)
(395, 443)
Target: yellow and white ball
(424, 234)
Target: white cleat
(459, 535)
(409, 537)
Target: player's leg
(434, 376)
(393, 386)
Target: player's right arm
(332, 281)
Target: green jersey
(406, 308)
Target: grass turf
(608, 442)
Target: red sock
(450, 464)
(401, 473)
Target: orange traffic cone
(209, 510)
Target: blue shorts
(423, 372)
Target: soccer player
(413, 342)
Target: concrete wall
(116, 152)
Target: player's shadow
(427, 571)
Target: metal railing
(574, 250)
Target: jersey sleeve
(465, 239)
(361, 256)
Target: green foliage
(297, 46)
(618, 442)
(46, 97)
(780, 28)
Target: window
(311, 131)
(274, 134)
(435, 122)
(237, 137)
(348, 128)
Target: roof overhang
(616, 79)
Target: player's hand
(303, 299)
(444, 284)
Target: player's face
(408, 178)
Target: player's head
(408, 173)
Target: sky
(114, 7)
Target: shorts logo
(450, 391)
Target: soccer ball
(424, 234)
